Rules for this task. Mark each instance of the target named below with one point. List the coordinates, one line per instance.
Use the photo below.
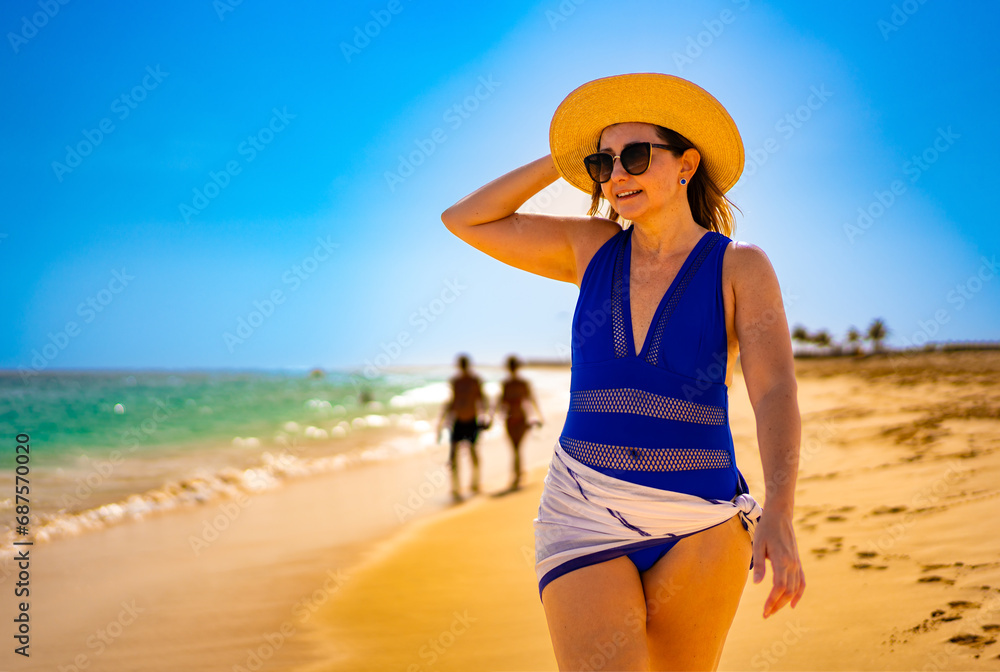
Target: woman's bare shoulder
(746, 259)
(749, 277)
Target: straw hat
(653, 98)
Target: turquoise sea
(107, 446)
(73, 414)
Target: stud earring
(683, 181)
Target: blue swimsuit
(660, 416)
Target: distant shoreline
(832, 352)
(947, 346)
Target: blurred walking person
(463, 410)
(513, 404)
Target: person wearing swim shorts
(464, 408)
(646, 528)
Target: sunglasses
(635, 161)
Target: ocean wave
(272, 469)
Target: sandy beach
(894, 516)
(373, 569)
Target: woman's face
(659, 187)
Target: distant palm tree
(800, 334)
(854, 339)
(877, 331)
(822, 338)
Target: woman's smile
(628, 194)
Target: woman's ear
(690, 160)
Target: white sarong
(586, 517)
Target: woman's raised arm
(552, 246)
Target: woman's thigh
(692, 594)
(597, 617)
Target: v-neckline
(627, 293)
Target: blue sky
(259, 185)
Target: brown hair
(710, 208)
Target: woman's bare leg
(692, 594)
(597, 617)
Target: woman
(646, 527)
(513, 402)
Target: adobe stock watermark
(786, 127)
(99, 470)
(438, 646)
(223, 7)
(121, 107)
(716, 370)
(271, 642)
(770, 655)
(697, 44)
(601, 654)
(435, 483)
(228, 511)
(944, 657)
(540, 202)
(88, 310)
(924, 498)
(900, 15)
(265, 308)
(454, 116)
(914, 168)
(544, 199)
(212, 529)
(105, 637)
(249, 148)
(37, 21)
(363, 35)
(422, 318)
(958, 297)
(563, 11)
(587, 326)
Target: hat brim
(652, 98)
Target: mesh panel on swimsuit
(599, 455)
(644, 403)
(658, 415)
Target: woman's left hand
(774, 540)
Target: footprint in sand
(836, 517)
(935, 579)
(975, 641)
(882, 510)
(963, 604)
(939, 616)
(867, 555)
(836, 544)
